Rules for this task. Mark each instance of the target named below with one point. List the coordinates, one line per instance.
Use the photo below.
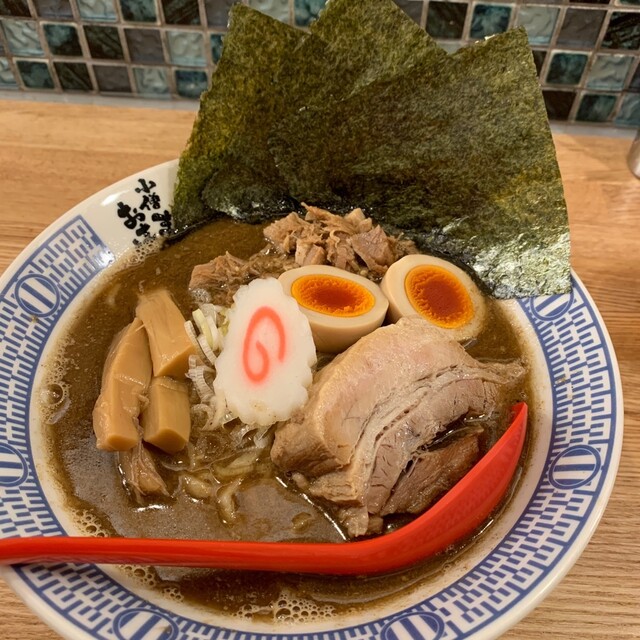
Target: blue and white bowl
(561, 496)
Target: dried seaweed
(234, 117)
(351, 45)
(463, 162)
(366, 110)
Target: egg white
(333, 334)
(393, 287)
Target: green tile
(190, 84)
(596, 107)
(104, 42)
(539, 21)
(35, 75)
(609, 72)
(629, 112)
(95, 10)
(216, 46)
(306, 11)
(7, 79)
(489, 19)
(278, 9)
(62, 39)
(73, 76)
(139, 10)
(566, 68)
(22, 37)
(152, 81)
(186, 48)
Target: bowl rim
(497, 625)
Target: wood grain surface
(54, 155)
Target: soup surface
(268, 506)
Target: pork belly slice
(431, 474)
(378, 403)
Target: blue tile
(97, 10)
(190, 84)
(112, 79)
(306, 11)
(62, 39)
(59, 9)
(139, 10)
(539, 22)
(558, 103)
(629, 112)
(152, 81)
(73, 76)
(218, 12)
(278, 9)
(609, 72)
(581, 27)
(413, 8)
(186, 48)
(181, 11)
(446, 19)
(7, 79)
(145, 45)
(566, 68)
(216, 46)
(15, 8)
(623, 31)
(35, 75)
(596, 107)
(489, 19)
(104, 42)
(22, 37)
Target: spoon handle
(455, 516)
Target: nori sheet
(458, 156)
(234, 120)
(351, 45)
(366, 110)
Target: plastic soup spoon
(456, 515)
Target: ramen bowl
(480, 592)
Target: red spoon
(456, 515)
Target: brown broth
(93, 485)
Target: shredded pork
(351, 242)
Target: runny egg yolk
(439, 296)
(332, 295)
(437, 290)
(341, 306)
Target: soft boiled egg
(341, 307)
(438, 291)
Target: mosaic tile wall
(587, 51)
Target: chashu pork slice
(375, 405)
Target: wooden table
(54, 155)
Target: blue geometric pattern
(583, 439)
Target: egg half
(341, 307)
(438, 291)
